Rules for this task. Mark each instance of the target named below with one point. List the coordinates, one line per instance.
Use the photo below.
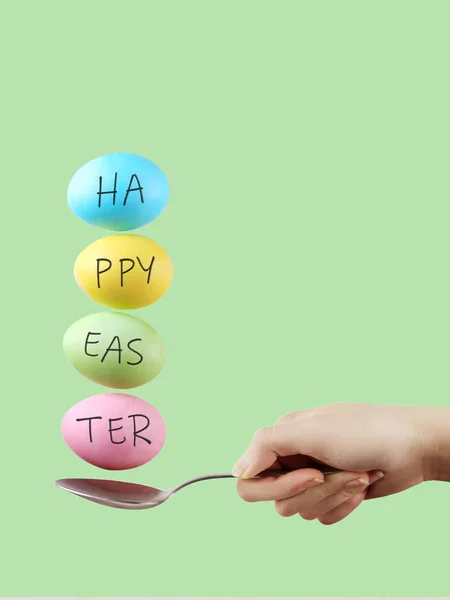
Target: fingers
(317, 501)
(346, 508)
(343, 510)
(279, 488)
(311, 495)
(298, 436)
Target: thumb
(269, 443)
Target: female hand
(381, 450)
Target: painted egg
(124, 271)
(115, 350)
(118, 191)
(114, 431)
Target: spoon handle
(267, 473)
(201, 478)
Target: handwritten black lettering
(122, 272)
(111, 429)
(90, 419)
(111, 349)
(137, 431)
(99, 260)
(148, 269)
(141, 358)
(88, 342)
(101, 193)
(135, 189)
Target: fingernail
(240, 468)
(313, 482)
(357, 483)
(378, 475)
(247, 474)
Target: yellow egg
(124, 271)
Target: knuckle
(326, 409)
(326, 521)
(282, 509)
(288, 417)
(263, 434)
(346, 495)
(244, 493)
(307, 515)
(294, 489)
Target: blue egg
(119, 192)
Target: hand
(381, 449)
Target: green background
(306, 145)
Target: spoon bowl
(116, 494)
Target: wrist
(434, 431)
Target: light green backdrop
(306, 146)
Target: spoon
(135, 496)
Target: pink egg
(114, 431)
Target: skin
(381, 450)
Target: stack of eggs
(115, 430)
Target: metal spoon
(134, 496)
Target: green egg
(115, 350)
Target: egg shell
(141, 192)
(102, 431)
(124, 271)
(115, 349)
